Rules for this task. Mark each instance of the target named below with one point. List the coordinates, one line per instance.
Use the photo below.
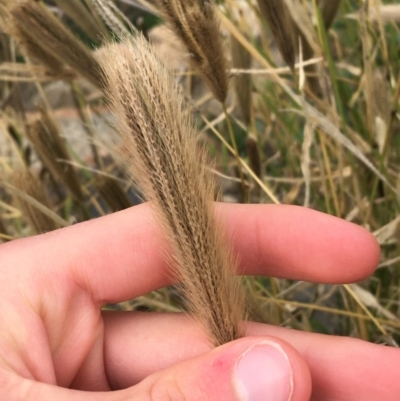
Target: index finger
(120, 256)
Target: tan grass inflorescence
(276, 14)
(196, 24)
(162, 154)
(46, 39)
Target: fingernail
(264, 373)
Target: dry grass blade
(381, 98)
(34, 203)
(306, 161)
(367, 47)
(306, 41)
(302, 21)
(28, 183)
(52, 150)
(276, 14)
(43, 35)
(195, 22)
(388, 13)
(23, 72)
(161, 150)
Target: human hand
(54, 337)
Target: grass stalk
(329, 173)
(236, 154)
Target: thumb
(249, 369)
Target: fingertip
(270, 369)
(347, 252)
(366, 252)
(355, 252)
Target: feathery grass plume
(52, 151)
(159, 141)
(242, 82)
(113, 194)
(28, 183)
(276, 14)
(45, 34)
(196, 23)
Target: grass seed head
(196, 24)
(162, 153)
(276, 14)
(46, 39)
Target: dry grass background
(303, 109)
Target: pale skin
(56, 344)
